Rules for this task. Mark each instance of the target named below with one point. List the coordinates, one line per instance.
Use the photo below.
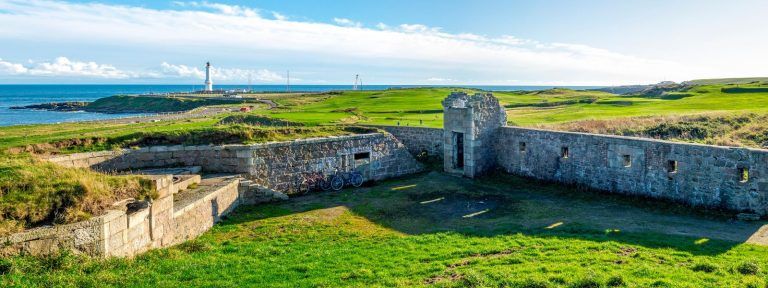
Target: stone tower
(470, 125)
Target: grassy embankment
(436, 230)
(34, 192)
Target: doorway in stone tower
(458, 150)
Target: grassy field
(436, 230)
(422, 107)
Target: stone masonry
(277, 165)
(698, 175)
(471, 123)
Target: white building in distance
(208, 82)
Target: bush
(586, 283)
(58, 261)
(194, 246)
(615, 281)
(748, 268)
(704, 267)
(533, 283)
(5, 266)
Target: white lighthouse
(208, 82)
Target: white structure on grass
(208, 82)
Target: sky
(447, 42)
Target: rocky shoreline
(58, 106)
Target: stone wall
(418, 139)
(699, 175)
(194, 218)
(470, 124)
(277, 165)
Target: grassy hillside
(139, 104)
(425, 231)
(724, 81)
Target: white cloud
(64, 67)
(181, 71)
(234, 10)
(347, 22)
(279, 16)
(439, 79)
(205, 30)
(12, 68)
(218, 74)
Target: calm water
(21, 95)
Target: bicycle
(339, 179)
(312, 181)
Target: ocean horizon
(29, 94)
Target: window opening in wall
(362, 158)
(672, 166)
(522, 146)
(564, 152)
(743, 174)
(627, 160)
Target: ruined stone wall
(418, 139)
(274, 165)
(699, 175)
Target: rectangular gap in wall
(672, 166)
(743, 174)
(363, 155)
(362, 158)
(627, 160)
(522, 146)
(564, 152)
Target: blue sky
(386, 42)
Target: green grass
(422, 107)
(131, 104)
(399, 233)
(35, 192)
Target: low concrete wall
(699, 175)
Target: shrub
(615, 281)
(704, 267)
(533, 283)
(748, 268)
(194, 246)
(586, 283)
(5, 266)
(57, 261)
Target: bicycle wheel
(325, 184)
(336, 183)
(356, 179)
(303, 187)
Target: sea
(22, 95)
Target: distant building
(208, 81)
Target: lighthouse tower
(208, 82)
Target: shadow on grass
(506, 205)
